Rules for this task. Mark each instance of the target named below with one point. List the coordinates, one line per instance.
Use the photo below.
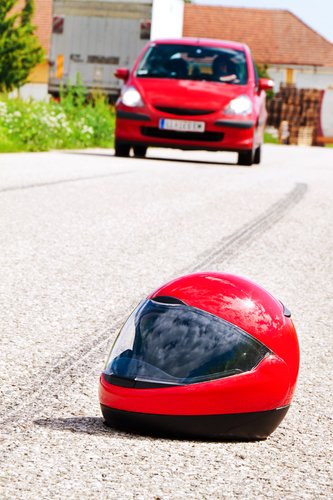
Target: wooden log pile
(295, 113)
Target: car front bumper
(221, 134)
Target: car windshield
(178, 344)
(194, 62)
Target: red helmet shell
(262, 394)
(243, 303)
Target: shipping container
(93, 38)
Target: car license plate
(181, 125)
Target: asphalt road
(84, 236)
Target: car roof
(210, 42)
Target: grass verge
(73, 122)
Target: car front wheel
(245, 158)
(257, 155)
(140, 151)
(121, 149)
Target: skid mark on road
(62, 181)
(36, 399)
(228, 247)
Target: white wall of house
(35, 91)
(320, 78)
(278, 75)
(167, 19)
(304, 77)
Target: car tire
(245, 158)
(121, 149)
(257, 155)
(140, 151)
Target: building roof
(42, 20)
(274, 36)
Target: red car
(192, 94)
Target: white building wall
(320, 79)
(278, 75)
(305, 77)
(35, 91)
(167, 19)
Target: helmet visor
(174, 344)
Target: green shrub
(74, 122)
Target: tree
(20, 50)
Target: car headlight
(131, 97)
(241, 105)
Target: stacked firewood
(295, 113)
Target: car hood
(188, 94)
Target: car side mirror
(122, 73)
(265, 84)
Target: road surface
(84, 236)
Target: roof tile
(274, 36)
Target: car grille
(185, 111)
(187, 136)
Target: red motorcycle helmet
(207, 355)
